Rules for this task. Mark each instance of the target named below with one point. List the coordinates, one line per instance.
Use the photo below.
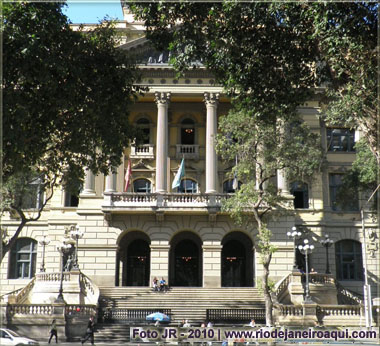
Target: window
(342, 198)
(23, 259)
(188, 186)
(349, 264)
(71, 199)
(142, 186)
(144, 125)
(340, 139)
(33, 196)
(187, 132)
(300, 191)
(228, 186)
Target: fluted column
(110, 181)
(282, 182)
(162, 101)
(89, 183)
(211, 101)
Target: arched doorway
(133, 260)
(185, 260)
(237, 260)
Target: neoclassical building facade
(181, 234)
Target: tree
(261, 53)
(261, 150)
(66, 100)
(346, 37)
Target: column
(212, 265)
(211, 101)
(162, 101)
(89, 183)
(282, 182)
(110, 181)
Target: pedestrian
(209, 324)
(53, 331)
(155, 284)
(252, 323)
(89, 331)
(187, 324)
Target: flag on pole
(180, 174)
(128, 175)
(235, 182)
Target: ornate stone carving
(372, 245)
(162, 98)
(211, 99)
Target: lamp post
(294, 234)
(306, 249)
(326, 243)
(76, 234)
(44, 242)
(62, 249)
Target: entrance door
(233, 264)
(186, 264)
(138, 264)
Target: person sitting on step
(163, 285)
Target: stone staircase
(188, 303)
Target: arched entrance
(237, 260)
(185, 260)
(133, 260)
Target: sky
(92, 11)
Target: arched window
(300, 191)
(144, 125)
(349, 264)
(188, 132)
(188, 186)
(228, 186)
(23, 257)
(142, 185)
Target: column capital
(211, 99)
(162, 98)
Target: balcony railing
(187, 151)
(144, 151)
(129, 200)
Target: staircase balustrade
(340, 310)
(346, 296)
(24, 293)
(30, 309)
(82, 310)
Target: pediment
(140, 165)
(145, 53)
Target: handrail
(11, 293)
(348, 296)
(281, 285)
(90, 287)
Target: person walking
(89, 331)
(53, 331)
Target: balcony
(188, 151)
(144, 151)
(132, 202)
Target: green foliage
(260, 286)
(66, 97)
(66, 94)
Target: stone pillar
(212, 265)
(159, 261)
(110, 181)
(162, 101)
(89, 183)
(282, 182)
(211, 101)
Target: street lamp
(295, 235)
(62, 249)
(326, 243)
(306, 249)
(44, 242)
(76, 234)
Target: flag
(180, 174)
(128, 175)
(235, 182)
